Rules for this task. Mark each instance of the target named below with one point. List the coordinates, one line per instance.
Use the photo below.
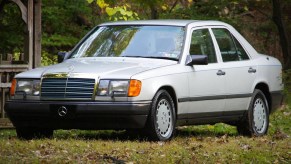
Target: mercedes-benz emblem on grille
(62, 111)
(71, 68)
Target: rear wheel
(31, 133)
(256, 121)
(162, 119)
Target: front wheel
(256, 121)
(162, 118)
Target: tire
(31, 133)
(162, 119)
(256, 120)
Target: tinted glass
(229, 47)
(132, 41)
(201, 44)
(242, 55)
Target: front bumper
(77, 115)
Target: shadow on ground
(127, 135)
(132, 135)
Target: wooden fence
(7, 72)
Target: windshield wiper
(161, 57)
(154, 57)
(133, 56)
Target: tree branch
(173, 6)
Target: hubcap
(164, 118)
(260, 116)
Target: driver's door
(206, 82)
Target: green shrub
(287, 86)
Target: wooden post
(2, 102)
(22, 8)
(24, 15)
(30, 14)
(37, 33)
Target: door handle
(220, 73)
(251, 70)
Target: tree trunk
(284, 37)
(154, 12)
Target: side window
(240, 50)
(229, 47)
(201, 44)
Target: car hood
(101, 67)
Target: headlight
(119, 88)
(103, 88)
(28, 86)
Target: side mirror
(62, 56)
(196, 60)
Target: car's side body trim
(210, 117)
(187, 99)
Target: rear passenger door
(240, 71)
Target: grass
(217, 143)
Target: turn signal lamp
(134, 88)
(13, 87)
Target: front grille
(67, 88)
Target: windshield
(132, 41)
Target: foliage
(48, 59)
(11, 30)
(65, 22)
(287, 86)
(121, 12)
(252, 18)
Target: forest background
(264, 23)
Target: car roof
(169, 22)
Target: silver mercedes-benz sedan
(151, 75)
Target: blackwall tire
(162, 119)
(256, 120)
